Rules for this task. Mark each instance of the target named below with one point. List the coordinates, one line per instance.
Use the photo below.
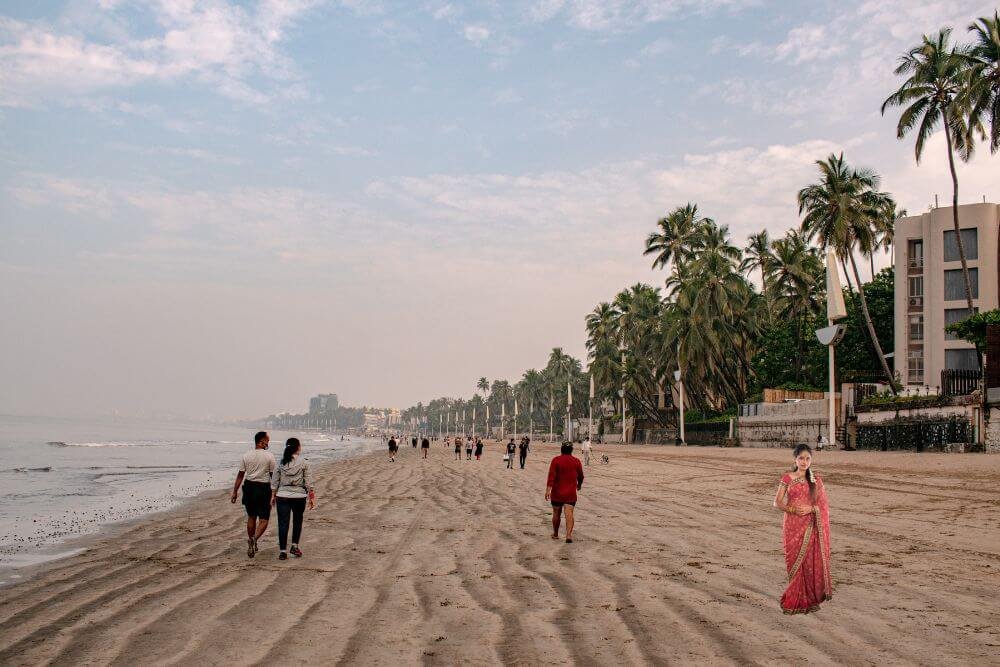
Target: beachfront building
(324, 404)
(930, 290)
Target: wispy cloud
(216, 43)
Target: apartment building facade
(930, 290)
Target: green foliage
(887, 399)
(973, 329)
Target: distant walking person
(565, 479)
(291, 488)
(393, 448)
(255, 475)
(468, 448)
(805, 532)
(458, 448)
(413, 441)
(525, 444)
(511, 450)
(425, 445)
(586, 449)
(479, 448)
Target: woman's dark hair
(292, 446)
(799, 448)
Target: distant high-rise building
(323, 405)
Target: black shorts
(555, 504)
(257, 499)
(426, 445)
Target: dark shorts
(257, 499)
(571, 504)
(426, 445)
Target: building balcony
(915, 303)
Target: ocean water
(65, 478)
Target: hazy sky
(220, 207)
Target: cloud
(477, 34)
(807, 43)
(213, 42)
(506, 96)
(624, 15)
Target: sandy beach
(677, 561)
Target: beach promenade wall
(784, 424)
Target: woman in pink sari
(806, 536)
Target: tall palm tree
(795, 274)
(936, 75)
(676, 236)
(756, 253)
(840, 212)
(982, 94)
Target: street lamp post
(590, 417)
(552, 407)
(680, 393)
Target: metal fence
(913, 435)
(750, 409)
(959, 382)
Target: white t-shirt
(586, 446)
(258, 464)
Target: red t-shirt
(565, 476)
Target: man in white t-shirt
(585, 450)
(256, 468)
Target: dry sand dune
(677, 561)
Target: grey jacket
(292, 480)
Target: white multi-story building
(930, 291)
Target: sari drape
(806, 540)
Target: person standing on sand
(255, 475)
(425, 445)
(511, 450)
(393, 447)
(565, 479)
(805, 533)
(413, 442)
(525, 444)
(468, 448)
(585, 449)
(458, 448)
(479, 448)
(290, 490)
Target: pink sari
(807, 548)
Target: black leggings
(296, 507)
(524, 457)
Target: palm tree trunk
(871, 328)
(871, 261)
(954, 210)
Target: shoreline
(677, 558)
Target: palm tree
(756, 254)
(982, 94)
(795, 274)
(937, 72)
(676, 238)
(840, 213)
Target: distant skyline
(226, 207)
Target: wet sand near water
(677, 560)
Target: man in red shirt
(565, 478)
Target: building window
(915, 253)
(961, 360)
(916, 327)
(970, 243)
(916, 293)
(915, 367)
(952, 315)
(954, 284)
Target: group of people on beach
(801, 496)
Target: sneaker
(250, 547)
(295, 551)
(282, 556)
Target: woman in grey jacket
(291, 489)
